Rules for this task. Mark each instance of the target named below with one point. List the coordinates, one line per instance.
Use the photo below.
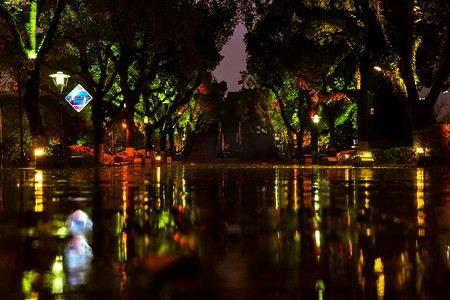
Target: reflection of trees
(285, 228)
(104, 242)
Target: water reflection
(77, 253)
(239, 232)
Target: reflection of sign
(78, 98)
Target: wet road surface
(225, 232)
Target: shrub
(78, 150)
(398, 155)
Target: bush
(399, 155)
(78, 150)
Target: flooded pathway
(225, 232)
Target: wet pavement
(225, 232)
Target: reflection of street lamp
(315, 146)
(60, 79)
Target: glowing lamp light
(38, 152)
(419, 150)
(367, 154)
(145, 120)
(60, 79)
(124, 125)
(316, 119)
(377, 68)
(158, 158)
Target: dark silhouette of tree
(33, 26)
(144, 48)
(388, 34)
(301, 74)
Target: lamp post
(60, 79)
(315, 146)
(146, 135)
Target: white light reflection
(77, 253)
(79, 223)
(78, 256)
(58, 276)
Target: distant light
(38, 152)
(145, 120)
(377, 68)
(316, 119)
(124, 125)
(158, 158)
(419, 150)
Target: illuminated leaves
(202, 89)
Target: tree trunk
(162, 141)
(300, 143)
(171, 142)
(30, 99)
(362, 101)
(99, 143)
(331, 117)
(129, 117)
(99, 130)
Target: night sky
(233, 62)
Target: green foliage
(294, 60)
(399, 155)
(350, 111)
(347, 128)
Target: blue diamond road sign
(78, 98)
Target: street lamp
(146, 135)
(315, 146)
(60, 79)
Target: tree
(180, 55)
(144, 54)
(388, 34)
(301, 73)
(33, 27)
